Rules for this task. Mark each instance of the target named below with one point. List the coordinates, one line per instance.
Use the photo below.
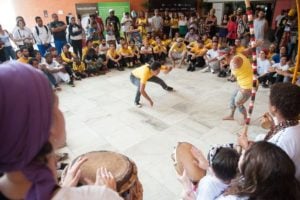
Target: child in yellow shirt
(79, 68)
(159, 51)
(196, 56)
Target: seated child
(93, 63)
(79, 68)
(146, 53)
(114, 58)
(127, 55)
(196, 56)
(222, 167)
(136, 52)
(160, 51)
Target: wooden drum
(123, 169)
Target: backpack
(38, 32)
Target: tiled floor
(100, 115)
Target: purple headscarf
(25, 120)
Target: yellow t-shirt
(177, 49)
(133, 49)
(114, 54)
(166, 42)
(198, 51)
(193, 44)
(208, 43)
(174, 23)
(144, 72)
(244, 74)
(84, 51)
(125, 51)
(240, 49)
(79, 68)
(141, 25)
(65, 59)
(23, 60)
(159, 48)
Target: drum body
(184, 159)
(123, 169)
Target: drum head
(119, 165)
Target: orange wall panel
(29, 9)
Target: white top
(210, 187)
(289, 140)
(157, 22)
(126, 22)
(5, 39)
(212, 53)
(281, 67)
(182, 22)
(86, 193)
(21, 34)
(44, 36)
(259, 28)
(231, 197)
(103, 48)
(263, 66)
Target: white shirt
(281, 67)
(263, 66)
(103, 48)
(259, 28)
(22, 33)
(86, 193)
(212, 53)
(289, 140)
(44, 36)
(210, 187)
(126, 22)
(157, 22)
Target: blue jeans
(42, 48)
(9, 53)
(59, 45)
(136, 81)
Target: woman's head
(20, 23)
(284, 100)
(26, 117)
(268, 173)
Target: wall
(280, 5)
(31, 8)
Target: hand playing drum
(73, 175)
(111, 169)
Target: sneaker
(193, 69)
(168, 88)
(138, 105)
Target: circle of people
(196, 41)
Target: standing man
(141, 75)
(115, 22)
(241, 68)
(156, 23)
(126, 22)
(260, 27)
(166, 23)
(42, 36)
(58, 28)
